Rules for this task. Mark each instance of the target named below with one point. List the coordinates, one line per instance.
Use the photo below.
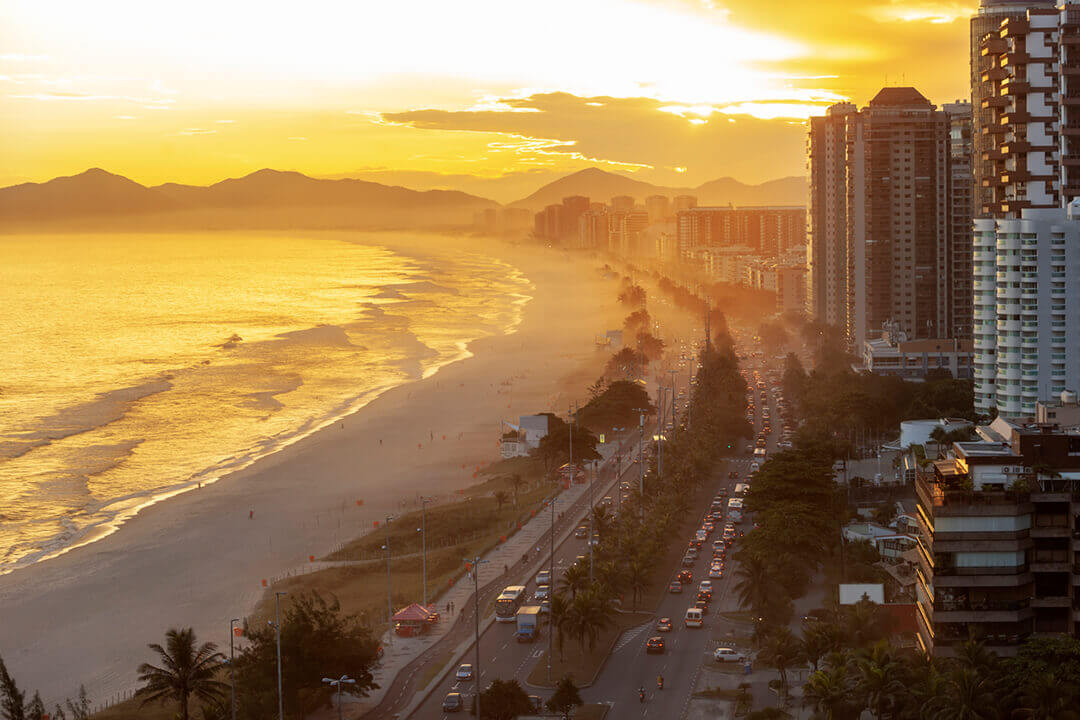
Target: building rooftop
(900, 96)
(983, 449)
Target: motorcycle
(641, 694)
(660, 682)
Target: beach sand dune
(199, 559)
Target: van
(694, 618)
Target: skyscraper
(897, 169)
(961, 211)
(985, 21)
(657, 207)
(826, 216)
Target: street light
(232, 664)
(389, 602)
(277, 628)
(343, 680)
(551, 578)
(423, 540)
(476, 562)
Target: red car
(686, 577)
(704, 595)
(655, 645)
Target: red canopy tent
(414, 619)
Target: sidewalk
(400, 652)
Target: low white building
(520, 439)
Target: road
(501, 656)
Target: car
(543, 577)
(725, 654)
(663, 625)
(580, 560)
(607, 500)
(705, 595)
(685, 576)
(692, 551)
(702, 605)
(654, 645)
(689, 561)
(715, 572)
(536, 703)
(705, 585)
(545, 606)
(582, 532)
(732, 474)
(675, 587)
(452, 702)
(625, 486)
(543, 592)
(464, 672)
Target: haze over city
(589, 360)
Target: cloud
(641, 134)
(124, 117)
(196, 131)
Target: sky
(676, 92)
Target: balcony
(1014, 87)
(996, 101)
(993, 46)
(1056, 601)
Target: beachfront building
(891, 353)
(996, 555)
(1027, 317)
(518, 440)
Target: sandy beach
(199, 559)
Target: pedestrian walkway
(400, 652)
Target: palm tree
(560, 619)
(610, 577)
(781, 651)
(1046, 696)
(829, 693)
(878, 678)
(818, 640)
(591, 617)
(865, 623)
(754, 586)
(186, 669)
(967, 696)
(601, 520)
(575, 578)
(637, 578)
(516, 482)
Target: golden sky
(674, 91)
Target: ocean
(137, 366)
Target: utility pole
(674, 420)
(659, 431)
(423, 541)
(277, 628)
(551, 580)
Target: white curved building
(1026, 328)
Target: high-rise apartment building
(657, 207)
(1027, 318)
(684, 202)
(622, 203)
(826, 216)
(987, 20)
(593, 229)
(997, 558)
(897, 177)
(961, 211)
(574, 207)
(772, 230)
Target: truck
(528, 623)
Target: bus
(507, 604)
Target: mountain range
(96, 199)
(602, 186)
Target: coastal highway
(501, 656)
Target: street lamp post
(277, 628)
(674, 419)
(592, 513)
(232, 665)
(423, 540)
(476, 562)
(343, 680)
(389, 601)
(551, 579)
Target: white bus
(507, 604)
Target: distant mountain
(92, 192)
(601, 186)
(263, 199)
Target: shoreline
(197, 558)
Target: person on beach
(251, 514)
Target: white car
(543, 577)
(723, 654)
(705, 585)
(543, 592)
(464, 672)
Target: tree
(35, 709)
(637, 577)
(780, 651)
(501, 496)
(966, 696)
(769, 713)
(504, 700)
(11, 698)
(565, 698)
(317, 639)
(817, 641)
(1049, 696)
(561, 619)
(754, 585)
(516, 482)
(878, 679)
(590, 616)
(80, 709)
(186, 669)
(829, 693)
(575, 579)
